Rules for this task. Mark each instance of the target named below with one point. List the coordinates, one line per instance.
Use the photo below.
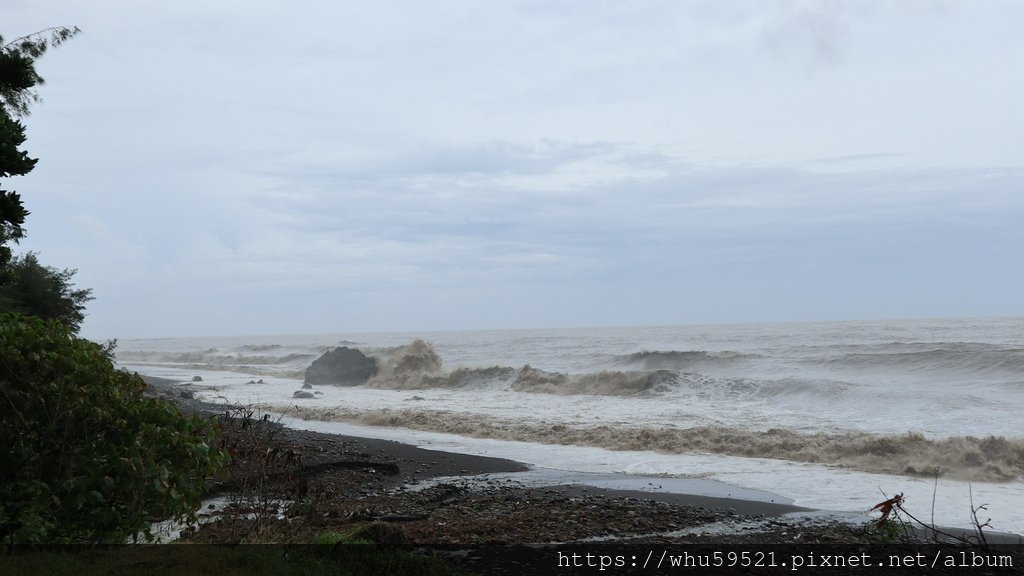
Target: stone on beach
(303, 394)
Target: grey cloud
(721, 209)
(719, 160)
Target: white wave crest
(988, 459)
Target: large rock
(344, 365)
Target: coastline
(776, 411)
(416, 465)
(432, 501)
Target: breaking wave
(284, 366)
(227, 358)
(683, 360)
(410, 367)
(260, 347)
(213, 358)
(530, 379)
(459, 378)
(988, 459)
(955, 357)
(712, 387)
(418, 366)
(803, 387)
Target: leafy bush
(85, 457)
(43, 291)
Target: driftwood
(368, 514)
(400, 517)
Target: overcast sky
(258, 167)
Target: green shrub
(85, 457)
(36, 290)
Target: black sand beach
(399, 465)
(434, 501)
(412, 464)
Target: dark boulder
(344, 365)
(302, 394)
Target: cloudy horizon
(249, 168)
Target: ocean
(830, 415)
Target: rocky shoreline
(401, 495)
(367, 473)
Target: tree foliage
(86, 458)
(25, 285)
(18, 82)
(43, 291)
(18, 76)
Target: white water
(721, 390)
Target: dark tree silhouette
(18, 82)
